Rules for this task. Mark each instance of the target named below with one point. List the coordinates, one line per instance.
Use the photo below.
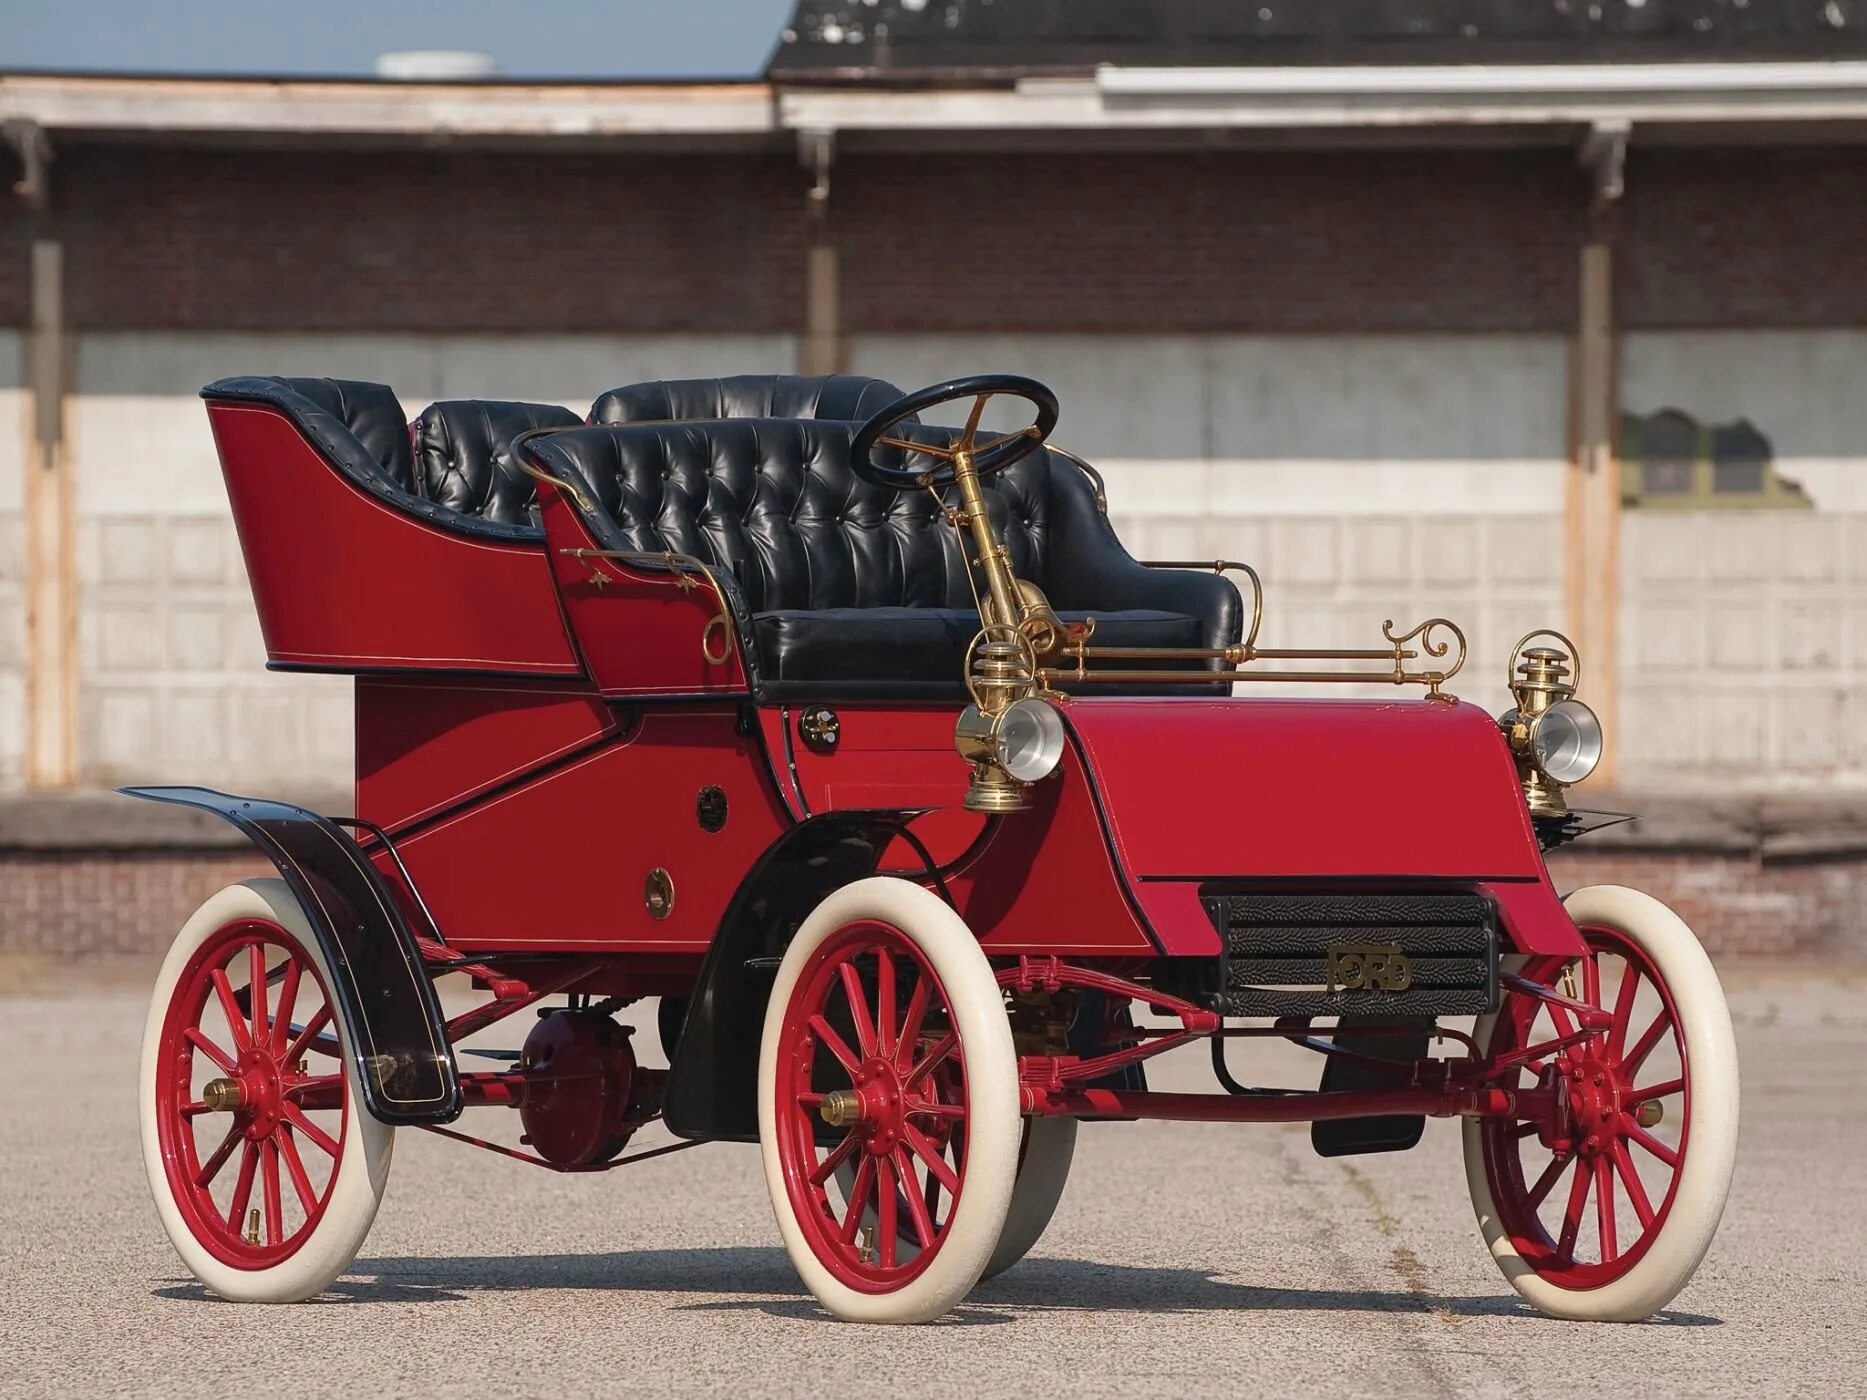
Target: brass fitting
(1649, 1114)
(841, 1108)
(223, 1095)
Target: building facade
(1520, 342)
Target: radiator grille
(1281, 949)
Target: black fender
(395, 1030)
(712, 1089)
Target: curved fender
(397, 1039)
(712, 1089)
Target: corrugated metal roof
(936, 40)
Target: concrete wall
(1744, 640)
(1366, 477)
(173, 685)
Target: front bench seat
(852, 591)
(849, 397)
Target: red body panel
(344, 581)
(1242, 788)
(561, 860)
(641, 632)
(426, 744)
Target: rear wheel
(886, 1047)
(266, 1169)
(1600, 1203)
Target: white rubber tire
(993, 1124)
(361, 1174)
(1705, 1176)
(1049, 1148)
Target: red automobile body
(561, 749)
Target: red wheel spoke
(839, 1154)
(1523, 1130)
(269, 1176)
(1591, 980)
(295, 1164)
(1623, 1009)
(1560, 1018)
(194, 1108)
(211, 1167)
(256, 990)
(834, 1043)
(1572, 1217)
(940, 1112)
(858, 1007)
(1644, 1046)
(942, 1048)
(928, 1153)
(884, 1003)
(312, 1086)
(911, 1024)
(918, 1211)
(288, 998)
(296, 1117)
(230, 1005)
(859, 1194)
(887, 1210)
(307, 1035)
(1652, 1144)
(243, 1188)
(1636, 1191)
(197, 1037)
(1658, 1091)
(1604, 1209)
(1548, 1179)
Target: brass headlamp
(1557, 740)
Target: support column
(1592, 517)
(824, 349)
(50, 505)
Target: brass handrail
(1236, 658)
(1223, 566)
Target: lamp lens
(1567, 741)
(1030, 740)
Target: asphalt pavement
(1186, 1259)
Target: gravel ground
(1185, 1259)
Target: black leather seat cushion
(821, 566)
(373, 415)
(912, 652)
(838, 396)
(463, 456)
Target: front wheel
(265, 1167)
(886, 1046)
(1599, 1199)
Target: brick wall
(88, 904)
(172, 238)
(1751, 237)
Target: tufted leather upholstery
(843, 396)
(463, 456)
(851, 589)
(372, 413)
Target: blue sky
(527, 38)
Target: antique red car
(928, 814)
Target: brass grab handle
(1224, 566)
(685, 568)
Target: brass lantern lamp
(1556, 739)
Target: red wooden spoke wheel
(887, 1052)
(266, 1170)
(1599, 1196)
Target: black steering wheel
(988, 457)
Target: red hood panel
(1197, 788)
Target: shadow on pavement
(1036, 1285)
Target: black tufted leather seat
(371, 412)
(463, 456)
(839, 396)
(850, 590)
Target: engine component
(579, 1078)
